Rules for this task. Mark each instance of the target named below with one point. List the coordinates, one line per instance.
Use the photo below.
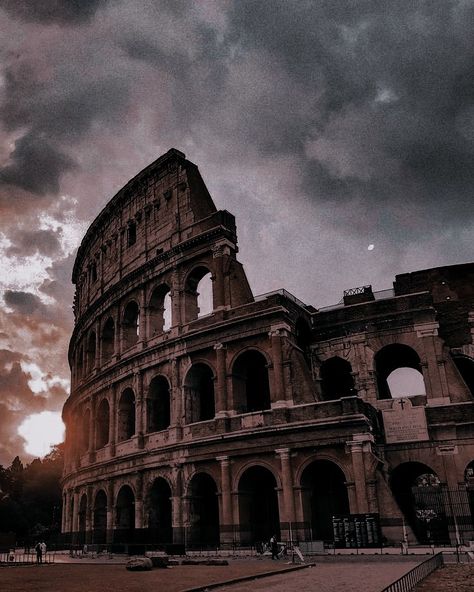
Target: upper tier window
(131, 234)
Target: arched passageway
(158, 404)
(103, 421)
(108, 340)
(324, 495)
(85, 433)
(336, 379)
(250, 386)
(258, 506)
(159, 512)
(419, 495)
(130, 324)
(398, 369)
(100, 518)
(125, 516)
(82, 520)
(159, 311)
(465, 366)
(198, 295)
(126, 415)
(91, 352)
(203, 527)
(199, 390)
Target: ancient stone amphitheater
(202, 415)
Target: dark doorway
(158, 404)
(159, 512)
(203, 512)
(125, 516)
(336, 379)
(100, 518)
(250, 382)
(199, 387)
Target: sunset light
(41, 431)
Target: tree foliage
(30, 496)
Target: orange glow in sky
(41, 431)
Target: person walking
(43, 550)
(39, 553)
(274, 547)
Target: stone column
(372, 496)
(218, 285)
(177, 506)
(142, 321)
(176, 400)
(139, 502)
(89, 511)
(221, 390)
(287, 514)
(97, 356)
(117, 333)
(227, 521)
(138, 388)
(92, 444)
(360, 445)
(110, 513)
(435, 389)
(351, 494)
(113, 419)
(278, 396)
(75, 511)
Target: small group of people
(40, 549)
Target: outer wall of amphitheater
(202, 415)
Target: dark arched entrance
(258, 506)
(419, 495)
(199, 387)
(158, 404)
(324, 496)
(159, 512)
(250, 382)
(100, 518)
(82, 519)
(103, 421)
(336, 379)
(125, 516)
(203, 512)
(126, 415)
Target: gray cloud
(53, 11)
(23, 302)
(28, 242)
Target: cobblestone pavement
(450, 578)
(334, 577)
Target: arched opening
(418, 493)
(131, 233)
(203, 511)
(159, 311)
(199, 387)
(198, 294)
(465, 365)
(100, 518)
(126, 415)
(103, 421)
(469, 481)
(258, 506)
(336, 379)
(394, 365)
(158, 404)
(80, 363)
(250, 386)
(124, 515)
(159, 512)
(324, 495)
(91, 352)
(82, 519)
(108, 340)
(131, 324)
(303, 339)
(85, 433)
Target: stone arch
(126, 415)
(103, 423)
(130, 324)
(100, 517)
(250, 381)
(336, 379)
(199, 393)
(203, 519)
(108, 340)
(346, 469)
(82, 518)
(158, 404)
(125, 515)
(259, 517)
(159, 310)
(400, 359)
(465, 366)
(91, 352)
(324, 495)
(195, 305)
(417, 490)
(159, 508)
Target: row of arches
(98, 349)
(323, 494)
(251, 390)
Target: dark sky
(324, 126)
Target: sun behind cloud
(41, 431)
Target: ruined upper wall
(163, 206)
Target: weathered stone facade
(265, 415)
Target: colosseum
(202, 415)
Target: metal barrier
(407, 582)
(18, 558)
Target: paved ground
(451, 578)
(330, 577)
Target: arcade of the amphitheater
(256, 415)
